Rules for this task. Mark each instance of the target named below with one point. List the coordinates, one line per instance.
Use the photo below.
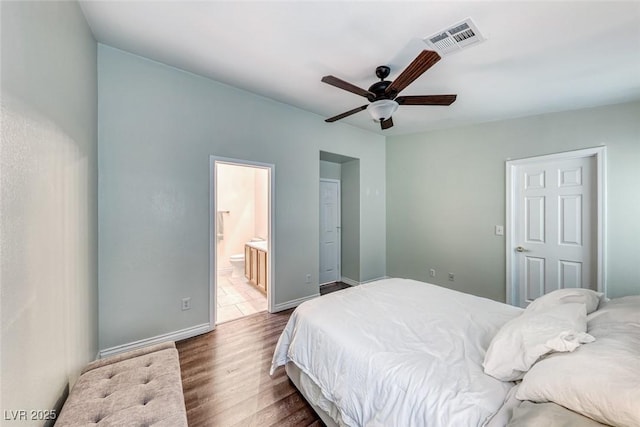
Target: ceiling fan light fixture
(382, 109)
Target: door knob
(520, 249)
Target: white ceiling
(539, 56)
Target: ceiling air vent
(459, 36)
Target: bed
(399, 352)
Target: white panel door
(555, 227)
(329, 231)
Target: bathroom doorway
(241, 239)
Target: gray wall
(350, 207)
(158, 127)
(446, 192)
(330, 170)
(48, 208)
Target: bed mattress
(397, 352)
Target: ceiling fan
(383, 95)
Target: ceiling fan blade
(348, 113)
(426, 100)
(386, 124)
(425, 60)
(334, 81)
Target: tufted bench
(138, 388)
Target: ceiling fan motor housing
(378, 89)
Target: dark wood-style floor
(332, 287)
(225, 375)
(226, 382)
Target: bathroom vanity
(255, 264)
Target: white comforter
(398, 352)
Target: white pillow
(548, 414)
(563, 296)
(618, 311)
(523, 340)
(599, 380)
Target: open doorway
(241, 238)
(339, 225)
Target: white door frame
(339, 231)
(271, 168)
(600, 181)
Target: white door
(554, 243)
(329, 231)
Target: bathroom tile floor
(237, 298)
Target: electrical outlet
(186, 303)
(432, 272)
(308, 278)
(451, 277)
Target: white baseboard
(349, 282)
(352, 282)
(171, 336)
(293, 303)
(373, 280)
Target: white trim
(352, 282)
(509, 216)
(601, 182)
(601, 206)
(339, 234)
(293, 303)
(213, 270)
(328, 283)
(171, 336)
(374, 280)
(271, 168)
(349, 282)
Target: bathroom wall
(261, 198)
(243, 192)
(236, 193)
